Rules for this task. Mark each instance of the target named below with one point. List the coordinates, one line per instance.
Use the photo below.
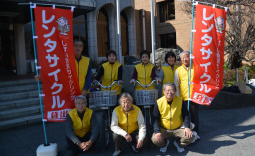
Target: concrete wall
(110, 7)
(20, 51)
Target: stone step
(22, 95)
(19, 103)
(20, 122)
(8, 83)
(17, 88)
(14, 113)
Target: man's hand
(87, 145)
(120, 81)
(84, 93)
(128, 138)
(82, 145)
(38, 77)
(188, 132)
(139, 144)
(158, 137)
(159, 80)
(132, 81)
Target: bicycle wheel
(148, 127)
(105, 129)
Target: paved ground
(222, 132)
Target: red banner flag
(54, 30)
(208, 53)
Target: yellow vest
(82, 69)
(128, 121)
(183, 74)
(168, 74)
(111, 74)
(144, 75)
(84, 126)
(170, 116)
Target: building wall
(110, 7)
(181, 25)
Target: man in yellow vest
(181, 80)
(128, 123)
(82, 129)
(171, 120)
(83, 67)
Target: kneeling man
(82, 129)
(171, 120)
(128, 123)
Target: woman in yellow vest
(144, 72)
(111, 71)
(167, 72)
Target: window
(80, 32)
(168, 40)
(166, 10)
(124, 34)
(103, 43)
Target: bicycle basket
(146, 97)
(105, 98)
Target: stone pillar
(92, 35)
(20, 51)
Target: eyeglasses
(76, 46)
(80, 104)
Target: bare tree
(240, 30)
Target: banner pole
(39, 91)
(190, 52)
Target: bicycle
(105, 99)
(146, 98)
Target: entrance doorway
(124, 34)
(7, 53)
(103, 43)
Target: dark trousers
(118, 139)
(194, 114)
(87, 97)
(75, 148)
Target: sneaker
(196, 139)
(133, 148)
(164, 149)
(195, 133)
(116, 153)
(179, 149)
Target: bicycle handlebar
(106, 87)
(145, 86)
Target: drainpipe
(144, 34)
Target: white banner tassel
(41, 95)
(33, 6)
(38, 67)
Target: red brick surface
(181, 25)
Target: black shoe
(68, 147)
(133, 148)
(94, 151)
